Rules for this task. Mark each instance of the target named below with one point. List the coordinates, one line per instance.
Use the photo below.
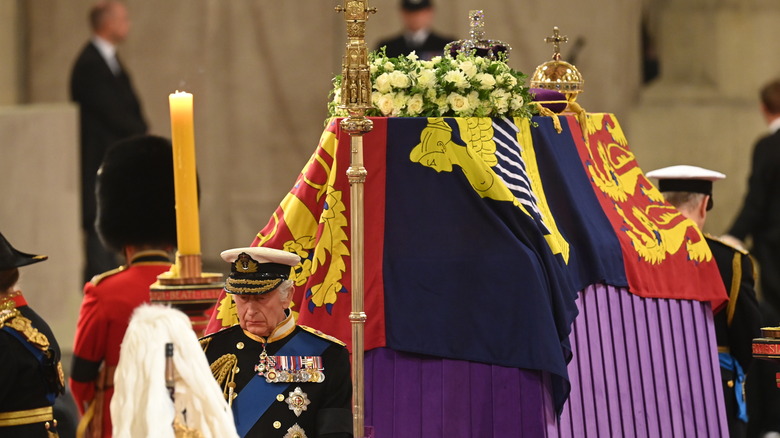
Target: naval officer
(281, 379)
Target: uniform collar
(149, 256)
(12, 300)
(281, 331)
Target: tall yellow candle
(184, 173)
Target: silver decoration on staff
(356, 99)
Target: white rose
(486, 81)
(458, 103)
(389, 66)
(372, 69)
(427, 78)
(426, 64)
(435, 60)
(385, 104)
(457, 78)
(375, 98)
(399, 80)
(468, 68)
(516, 102)
(430, 93)
(382, 83)
(415, 105)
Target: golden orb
(558, 75)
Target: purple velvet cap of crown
(545, 95)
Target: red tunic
(109, 301)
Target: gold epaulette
(13, 319)
(100, 277)
(322, 335)
(204, 343)
(224, 371)
(735, 248)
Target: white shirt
(416, 39)
(774, 125)
(108, 52)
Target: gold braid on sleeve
(224, 372)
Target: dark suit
(327, 413)
(109, 111)
(760, 216)
(433, 46)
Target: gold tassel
(547, 112)
(582, 118)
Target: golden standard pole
(356, 99)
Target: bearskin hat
(135, 194)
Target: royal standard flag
(478, 234)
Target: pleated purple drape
(642, 368)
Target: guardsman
(281, 379)
(136, 217)
(30, 370)
(689, 188)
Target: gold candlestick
(356, 99)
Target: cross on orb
(556, 39)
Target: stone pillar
(40, 199)
(10, 52)
(703, 109)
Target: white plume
(141, 405)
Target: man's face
(260, 314)
(416, 20)
(117, 23)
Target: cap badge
(245, 264)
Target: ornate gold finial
(556, 39)
(356, 80)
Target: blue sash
(730, 363)
(258, 395)
(37, 352)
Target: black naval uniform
(30, 372)
(234, 354)
(735, 326)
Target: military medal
(295, 432)
(288, 369)
(298, 401)
(266, 366)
